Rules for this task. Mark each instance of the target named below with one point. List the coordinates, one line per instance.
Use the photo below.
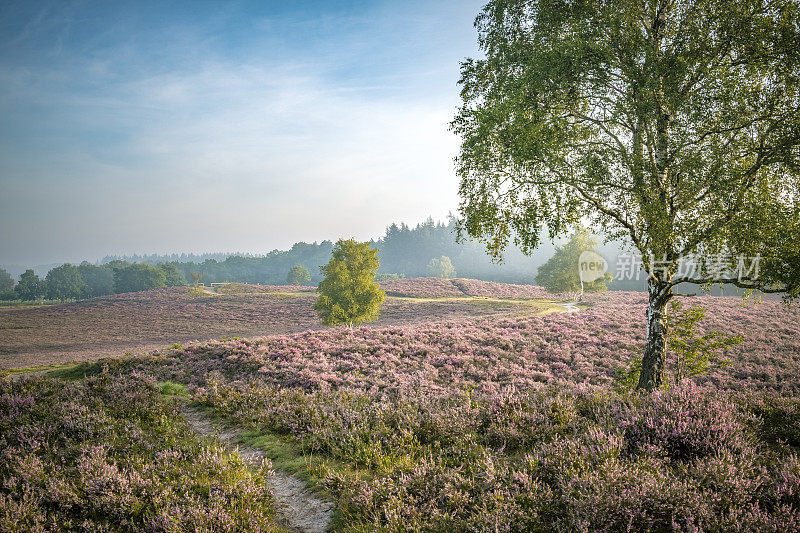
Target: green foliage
(389, 276)
(30, 287)
(349, 294)
(99, 280)
(138, 277)
(170, 389)
(627, 377)
(195, 277)
(561, 273)
(773, 233)
(172, 276)
(657, 123)
(6, 285)
(671, 124)
(693, 353)
(298, 275)
(65, 283)
(441, 268)
(690, 352)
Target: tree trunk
(655, 350)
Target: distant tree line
(427, 249)
(404, 251)
(74, 282)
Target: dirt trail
(570, 307)
(298, 508)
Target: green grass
(170, 390)
(27, 304)
(50, 370)
(79, 371)
(197, 291)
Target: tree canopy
(65, 283)
(98, 280)
(172, 276)
(138, 277)
(6, 285)
(348, 294)
(298, 275)
(441, 267)
(672, 124)
(561, 273)
(30, 287)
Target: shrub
(686, 422)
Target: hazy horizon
(139, 128)
(254, 251)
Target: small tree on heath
(441, 268)
(561, 274)
(298, 275)
(349, 294)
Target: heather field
(491, 419)
(110, 454)
(145, 321)
(459, 288)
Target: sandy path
(298, 508)
(570, 307)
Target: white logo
(592, 266)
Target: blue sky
(209, 126)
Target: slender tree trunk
(655, 350)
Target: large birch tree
(671, 124)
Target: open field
(140, 322)
(469, 413)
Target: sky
(159, 127)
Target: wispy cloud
(232, 147)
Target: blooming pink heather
(511, 423)
(491, 353)
(503, 423)
(450, 288)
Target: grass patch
(197, 291)
(41, 369)
(170, 390)
(20, 304)
(76, 371)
